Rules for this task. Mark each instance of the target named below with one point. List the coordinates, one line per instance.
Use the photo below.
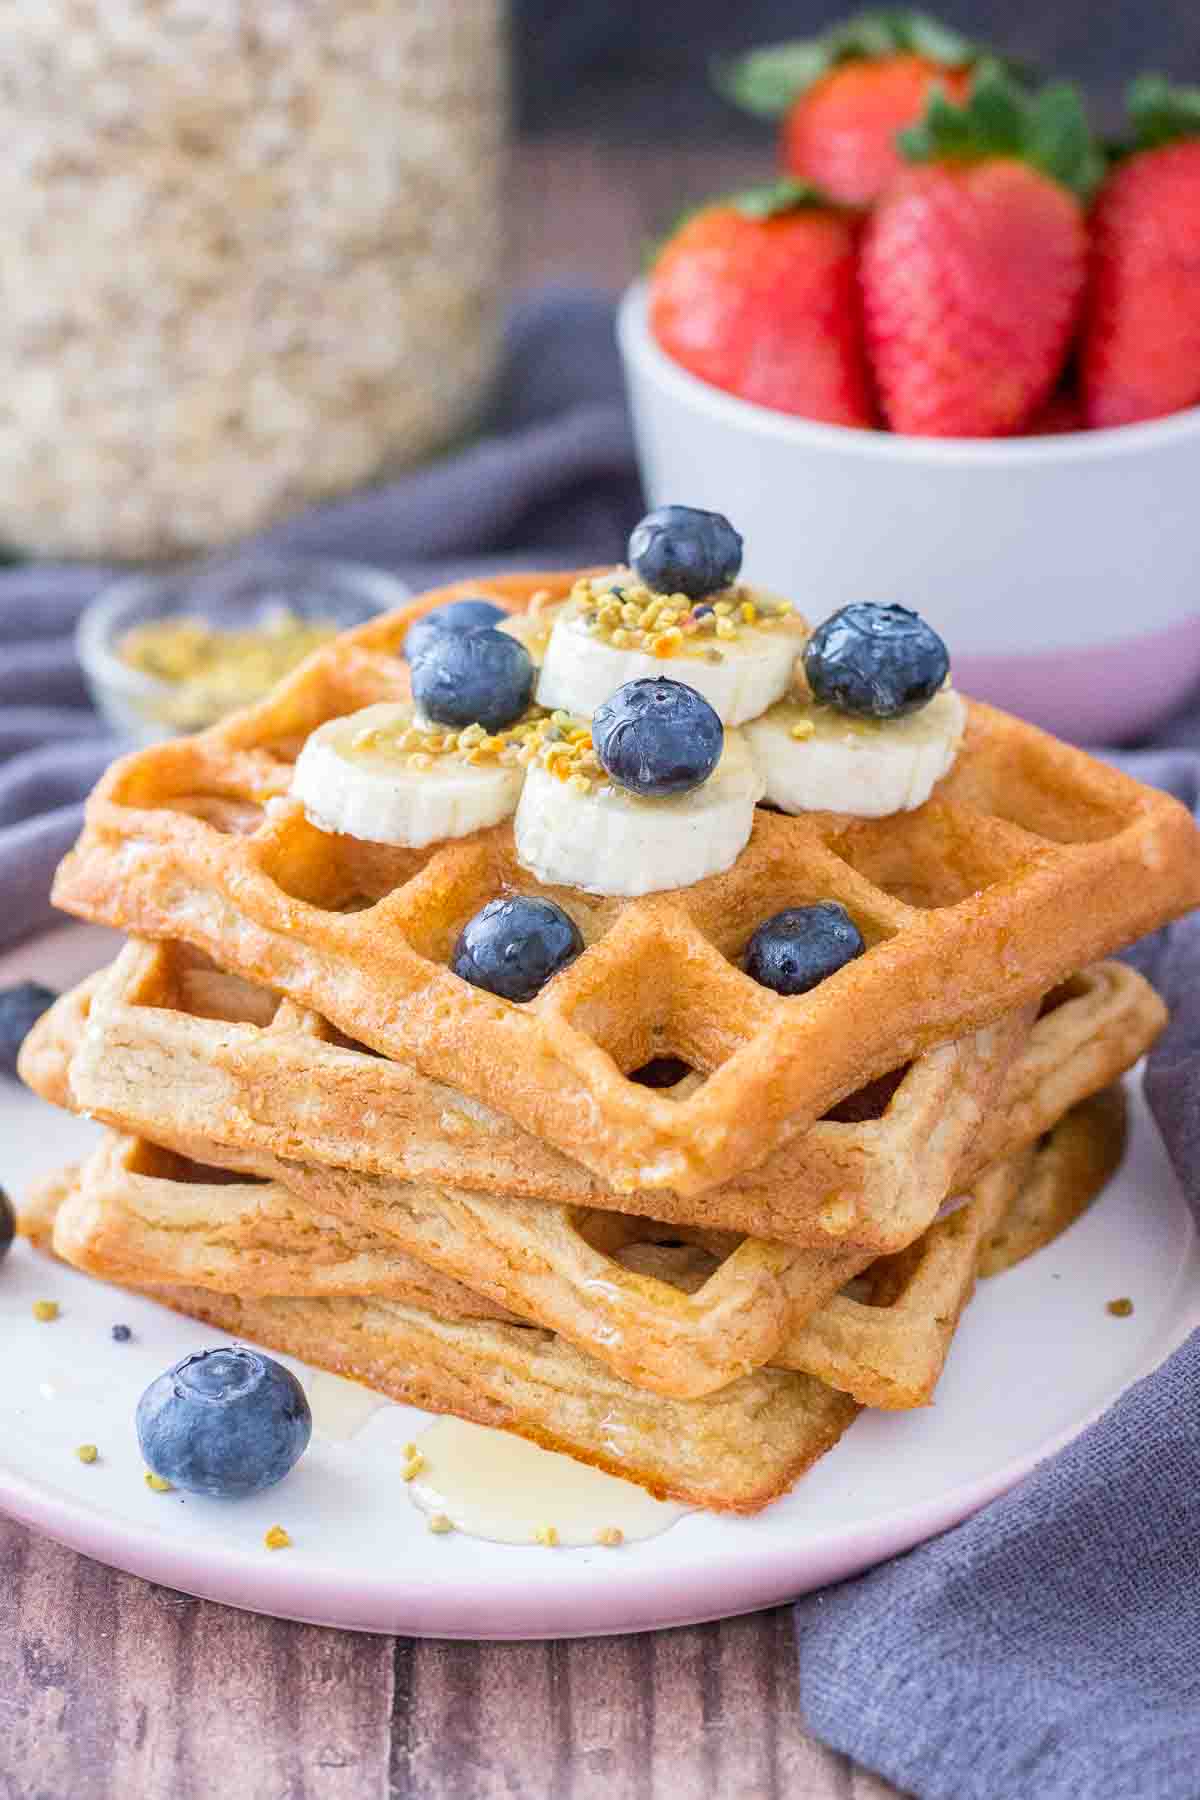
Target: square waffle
(146, 1218)
(1030, 860)
(168, 1047)
(565, 1267)
(734, 1451)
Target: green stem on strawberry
(1162, 113)
(1048, 130)
(770, 200)
(777, 197)
(769, 80)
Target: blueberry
(796, 949)
(20, 1009)
(879, 662)
(514, 945)
(656, 736)
(682, 550)
(475, 677)
(121, 1334)
(226, 1422)
(8, 1224)
(455, 616)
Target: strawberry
(974, 265)
(759, 295)
(843, 96)
(1141, 343)
(1063, 411)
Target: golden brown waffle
(1070, 1166)
(1031, 859)
(144, 1216)
(179, 1053)
(139, 1214)
(890, 1352)
(732, 1452)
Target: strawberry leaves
(768, 81)
(777, 197)
(1048, 130)
(1161, 113)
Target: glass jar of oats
(250, 258)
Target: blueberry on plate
(20, 1009)
(656, 736)
(796, 949)
(878, 662)
(514, 945)
(226, 1423)
(455, 616)
(8, 1224)
(474, 677)
(682, 550)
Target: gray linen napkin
(1051, 1646)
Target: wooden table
(111, 1689)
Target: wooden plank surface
(112, 1689)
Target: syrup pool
(492, 1485)
(340, 1408)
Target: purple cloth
(1048, 1648)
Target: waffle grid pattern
(1031, 860)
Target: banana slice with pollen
(388, 777)
(737, 648)
(576, 828)
(816, 759)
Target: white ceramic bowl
(1062, 571)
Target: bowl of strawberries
(951, 358)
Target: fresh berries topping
(683, 550)
(1140, 356)
(474, 678)
(20, 1009)
(514, 945)
(759, 296)
(456, 616)
(226, 1423)
(121, 1334)
(8, 1224)
(974, 265)
(844, 95)
(796, 949)
(656, 737)
(877, 662)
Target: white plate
(1037, 1356)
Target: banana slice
(532, 629)
(388, 777)
(814, 759)
(607, 841)
(598, 642)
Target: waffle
(1069, 1168)
(1030, 860)
(143, 1215)
(732, 1452)
(889, 1353)
(179, 1053)
(139, 1214)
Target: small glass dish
(242, 595)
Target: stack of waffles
(658, 1217)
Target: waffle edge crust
(1030, 860)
